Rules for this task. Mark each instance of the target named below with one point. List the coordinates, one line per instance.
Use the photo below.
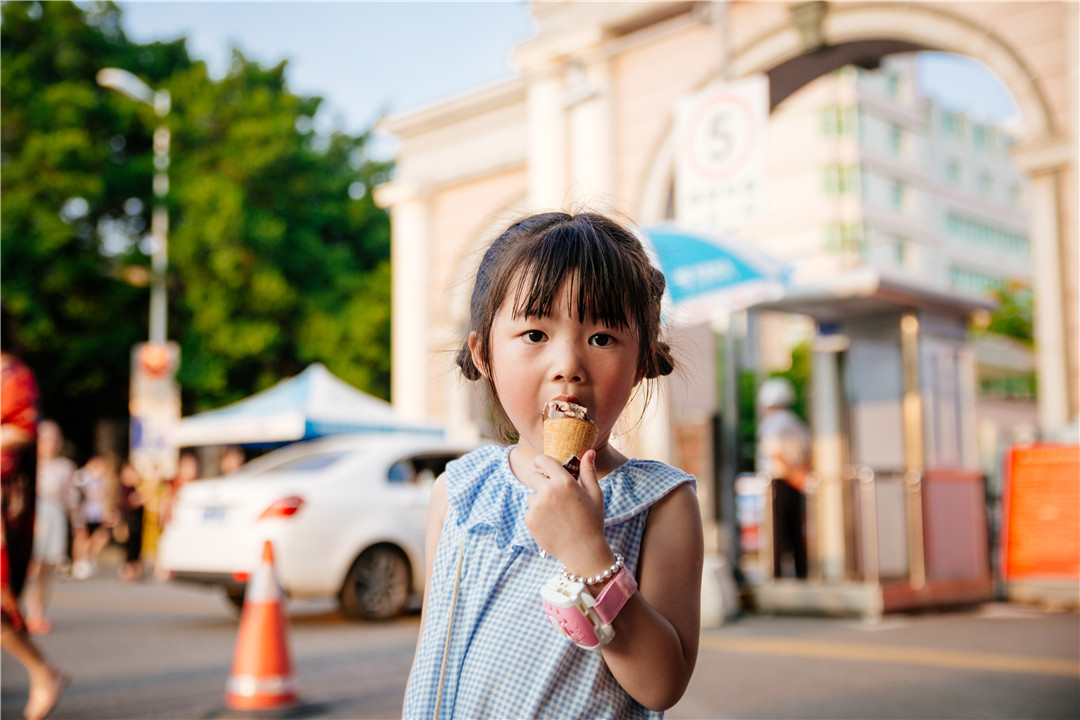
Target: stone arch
(861, 35)
(851, 33)
(794, 53)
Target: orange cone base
(264, 701)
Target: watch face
(567, 607)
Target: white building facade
(865, 170)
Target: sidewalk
(994, 661)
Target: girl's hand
(566, 516)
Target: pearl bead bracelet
(596, 579)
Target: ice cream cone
(568, 437)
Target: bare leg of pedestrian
(47, 682)
(37, 598)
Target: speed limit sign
(721, 154)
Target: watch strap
(611, 600)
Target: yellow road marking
(879, 653)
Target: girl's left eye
(533, 336)
(601, 340)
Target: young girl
(564, 308)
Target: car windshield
(307, 463)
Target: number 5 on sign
(720, 154)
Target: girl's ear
(474, 351)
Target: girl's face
(536, 360)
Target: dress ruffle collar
(483, 493)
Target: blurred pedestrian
(783, 454)
(92, 483)
(187, 469)
(131, 509)
(231, 459)
(18, 461)
(55, 483)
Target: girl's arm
(436, 516)
(656, 633)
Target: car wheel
(377, 586)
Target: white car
(346, 515)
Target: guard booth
(896, 507)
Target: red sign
(1041, 519)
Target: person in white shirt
(783, 454)
(55, 478)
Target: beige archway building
(589, 121)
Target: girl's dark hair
(611, 276)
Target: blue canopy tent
(312, 404)
(709, 274)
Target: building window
(954, 174)
(892, 85)
(973, 282)
(952, 124)
(841, 179)
(1016, 195)
(986, 236)
(830, 180)
(849, 124)
(844, 238)
(981, 137)
(839, 121)
(896, 139)
(828, 120)
(986, 184)
(899, 195)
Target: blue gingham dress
(487, 650)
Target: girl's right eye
(533, 336)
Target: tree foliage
(1014, 315)
(278, 255)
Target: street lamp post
(131, 86)
(154, 402)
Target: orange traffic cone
(262, 674)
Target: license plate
(214, 513)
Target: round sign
(719, 135)
(155, 359)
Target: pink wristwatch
(585, 620)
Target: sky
(369, 58)
(364, 58)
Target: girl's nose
(568, 366)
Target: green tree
(278, 255)
(1014, 315)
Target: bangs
(577, 260)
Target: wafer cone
(566, 438)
